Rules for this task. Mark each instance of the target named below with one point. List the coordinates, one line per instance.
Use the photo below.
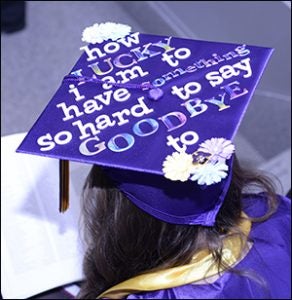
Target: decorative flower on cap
(98, 33)
(209, 173)
(206, 165)
(178, 166)
(220, 148)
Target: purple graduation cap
(158, 113)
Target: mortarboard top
(159, 113)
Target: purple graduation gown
(269, 259)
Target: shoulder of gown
(264, 273)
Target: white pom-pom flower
(98, 33)
(219, 148)
(209, 173)
(92, 35)
(178, 166)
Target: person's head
(123, 241)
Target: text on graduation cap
(88, 132)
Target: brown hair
(123, 241)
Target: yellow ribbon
(200, 268)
